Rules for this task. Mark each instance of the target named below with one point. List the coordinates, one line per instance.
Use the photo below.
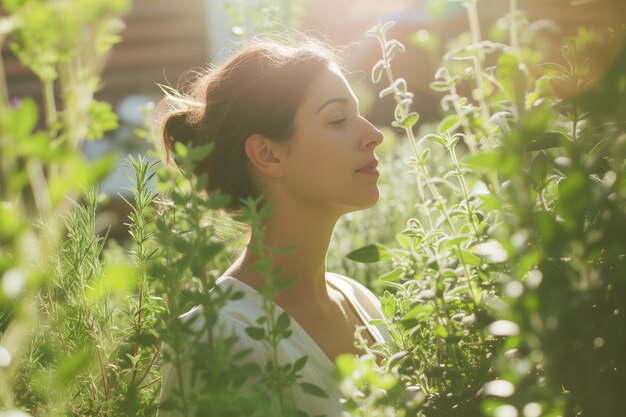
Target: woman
(286, 126)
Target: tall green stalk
(7, 164)
(474, 24)
(139, 221)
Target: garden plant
(497, 248)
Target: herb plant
(504, 299)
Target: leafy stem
(139, 220)
(513, 28)
(402, 103)
(49, 103)
(7, 164)
(462, 182)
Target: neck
(310, 232)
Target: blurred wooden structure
(162, 40)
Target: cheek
(318, 169)
(319, 173)
(324, 157)
(328, 162)
(321, 149)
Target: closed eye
(338, 121)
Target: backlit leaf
(449, 123)
(370, 254)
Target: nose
(372, 136)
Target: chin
(365, 204)
(372, 204)
(374, 198)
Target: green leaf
(490, 202)
(34, 146)
(393, 47)
(399, 85)
(69, 369)
(380, 29)
(283, 321)
(488, 159)
(441, 331)
(539, 169)
(457, 240)
(241, 354)
(386, 26)
(449, 123)
(421, 312)
(437, 138)
(11, 221)
(201, 152)
(181, 150)
(440, 86)
(392, 276)
(22, 120)
(535, 122)
(408, 121)
(182, 244)
(377, 71)
(370, 254)
(512, 78)
(555, 67)
(266, 210)
(283, 284)
(102, 119)
(549, 139)
(346, 364)
(469, 258)
(571, 205)
(217, 200)
(210, 251)
(313, 389)
(386, 91)
(389, 305)
(121, 277)
(145, 339)
(256, 333)
(396, 358)
(299, 364)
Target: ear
(265, 155)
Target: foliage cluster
(55, 309)
(87, 325)
(506, 296)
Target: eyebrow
(342, 100)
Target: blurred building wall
(161, 40)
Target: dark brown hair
(256, 90)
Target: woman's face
(331, 142)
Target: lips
(371, 164)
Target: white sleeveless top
(236, 315)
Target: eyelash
(338, 121)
